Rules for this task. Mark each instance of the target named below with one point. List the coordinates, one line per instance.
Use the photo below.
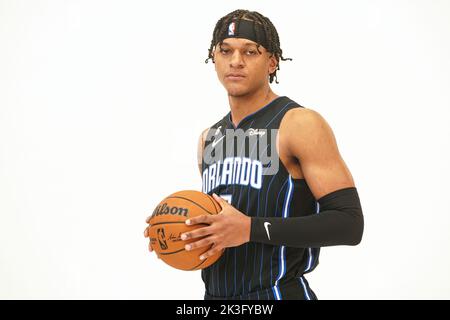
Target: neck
(242, 106)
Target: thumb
(222, 202)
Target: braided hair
(269, 30)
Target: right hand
(146, 234)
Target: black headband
(246, 29)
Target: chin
(235, 92)
(238, 94)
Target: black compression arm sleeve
(339, 222)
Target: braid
(269, 30)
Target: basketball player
(284, 189)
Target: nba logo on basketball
(231, 29)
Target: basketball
(167, 224)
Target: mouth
(234, 76)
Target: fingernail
(202, 257)
(188, 221)
(188, 247)
(183, 237)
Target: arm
(307, 137)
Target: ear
(273, 63)
(214, 52)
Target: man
(275, 169)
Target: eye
(251, 52)
(224, 51)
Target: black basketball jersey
(250, 176)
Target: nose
(236, 60)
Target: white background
(101, 104)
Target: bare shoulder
(204, 134)
(306, 126)
(305, 118)
(200, 146)
(201, 141)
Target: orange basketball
(167, 223)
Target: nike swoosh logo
(215, 142)
(266, 225)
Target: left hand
(228, 228)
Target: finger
(200, 219)
(211, 252)
(146, 232)
(222, 202)
(199, 244)
(197, 233)
(148, 219)
(150, 246)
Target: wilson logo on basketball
(165, 209)
(169, 224)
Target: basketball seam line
(198, 265)
(213, 202)
(173, 252)
(166, 222)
